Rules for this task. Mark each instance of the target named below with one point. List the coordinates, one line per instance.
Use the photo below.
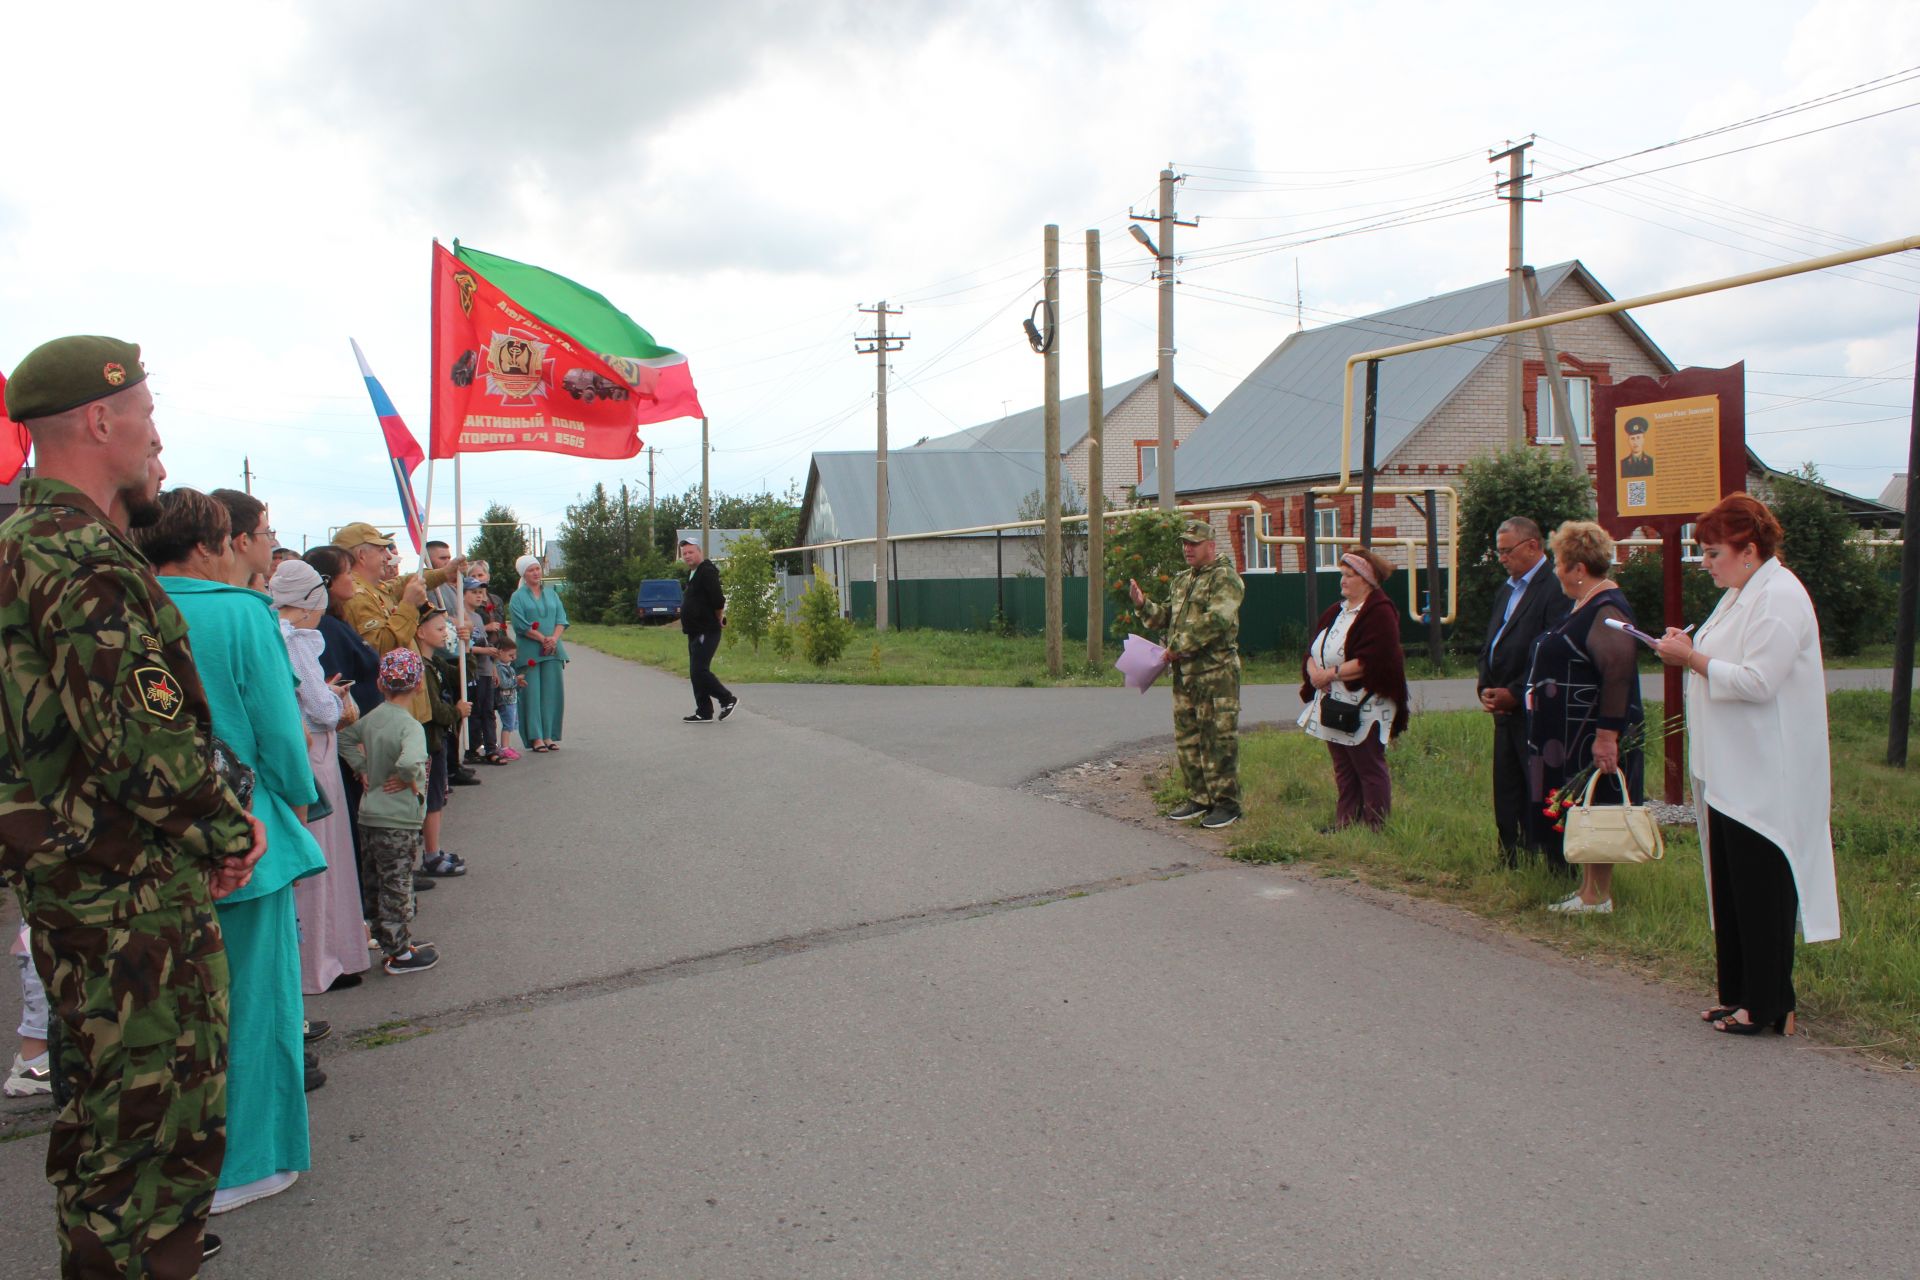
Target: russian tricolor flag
(402, 450)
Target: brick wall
(1132, 422)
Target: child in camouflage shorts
(387, 747)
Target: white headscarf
(525, 563)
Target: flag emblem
(516, 367)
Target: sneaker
(415, 959)
(1186, 811)
(508, 753)
(315, 1032)
(1218, 818)
(465, 778)
(227, 1199)
(727, 708)
(29, 1077)
(696, 719)
(209, 1245)
(422, 883)
(1573, 906)
(442, 865)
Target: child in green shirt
(387, 747)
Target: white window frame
(1690, 551)
(1543, 408)
(1259, 557)
(1141, 452)
(1326, 524)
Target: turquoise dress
(543, 703)
(237, 650)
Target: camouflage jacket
(1202, 615)
(109, 803)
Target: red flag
(14, 441)
(503, 378)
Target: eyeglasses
(326, 579)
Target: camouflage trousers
(140, 1058)
(1206, 732)
(388, 855)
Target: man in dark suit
(1527, 603)
(703, 612)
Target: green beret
(1196, 531)
(69, 372)
(1636, 426)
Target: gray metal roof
(927, 489)
(1283, 422)
(1028, 428)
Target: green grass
(898, 657)
(1863, 989)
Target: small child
(32, 1072)
(440, 715)
(388, 749)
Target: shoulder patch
(157, 690)
(151, 643)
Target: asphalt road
(823, 991)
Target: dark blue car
(658, 600)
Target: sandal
(1734, 1027)
(1718, 1012)
(540, 748)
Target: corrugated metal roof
(1028, 428)
(1283, 422)
(927, 489)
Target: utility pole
(1516, 197)
(1163, 453)
(878, 346)
(626, 524)
(246, 472)
(651, 545)
(1096, 460)
(706, 494)
(1050, 419)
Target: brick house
(1278, 433)
(1130, 439)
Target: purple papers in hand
(1141, 661)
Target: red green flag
(14, 441)
(526, 359)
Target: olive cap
(358, 534)
(1636, 426)
(69, 372)
(1196, 531)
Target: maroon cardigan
(1374, 640)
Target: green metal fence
(1273, 617)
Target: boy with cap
(1202, 618)
(387, 747)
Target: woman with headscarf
(1355, 688)
(333, 940)
(539, 620)
(250, 688)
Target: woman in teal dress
(539, 620)
(250, 687)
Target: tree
(748, 579)
(776, 516)
(500, 542)
(1528, 482)
(1817, 542)
(594, 539)
(1073, 537)
(1144, 546)
(822, 631)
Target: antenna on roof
(1299, 300)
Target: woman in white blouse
(1757, 749)
(1354, 682)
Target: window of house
(1689, 549)
(1579, 401)
(1326, 524)
(1259, 554)
(1149, 459)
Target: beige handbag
(1612, 832)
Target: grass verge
(1862, 990)
(898, 657)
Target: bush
(1531, 482)
(1144, 546)
(1644, 580)
(752, 601)
(1850, 597)
(822, 632)
(780, 636)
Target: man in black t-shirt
(703, 612)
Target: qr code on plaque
(1636, 493)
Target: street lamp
(1139, 233)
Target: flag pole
(460, 594)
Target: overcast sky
(241, 187)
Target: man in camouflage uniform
(386, 611)
(1202, 618)
(116, 832)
